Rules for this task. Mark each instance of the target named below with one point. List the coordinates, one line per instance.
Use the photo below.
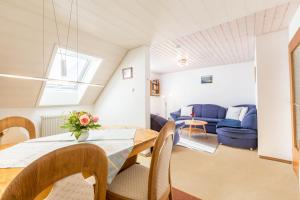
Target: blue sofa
(207, 112)
(241, 134)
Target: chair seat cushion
(72, 187)
(131, 183)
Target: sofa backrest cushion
(212, 111)
(250, 119)
(157, 122)
(205, 111)
(197, 109)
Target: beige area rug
(199, 142)
(230, 174)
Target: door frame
(294, 43)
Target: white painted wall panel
(126, 102)
(273, 92)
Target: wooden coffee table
(192, 129)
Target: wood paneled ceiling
(227, 43)
(108, 28)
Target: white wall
(273, 92)
(126, 102)
(295, 24)
(232, 85)
(34, 114)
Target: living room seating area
(205, 112)
(235, 126)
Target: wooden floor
(231, 174)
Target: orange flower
(84, 120)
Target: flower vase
(83, 136)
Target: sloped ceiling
(226, 43)
(107, 29)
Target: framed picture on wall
(154, 88)
(127, 73)
(206, 79)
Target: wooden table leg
(129, 162)
(190, 131)
(204, 129)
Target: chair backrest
(42, 173)
(159, 184)
(16, 121)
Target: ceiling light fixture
(182, 58)
(182, 62)
(48, 79)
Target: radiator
(51, 125)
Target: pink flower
(84, 120)
(95, 118)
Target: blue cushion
(157, 122)
(175, 115)
(210, 120)
(213, 111)
(250, 119)
(222, 113)
(184, 118)
(209, 111)
(229, 123)
(197, 109)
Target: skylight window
(68, 66)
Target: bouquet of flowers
(81, 122)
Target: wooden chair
(138, 182)
(16, 121)
(42, 173)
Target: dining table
(143, 139)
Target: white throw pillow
(233, 113)
(243, 113)
(186, 111)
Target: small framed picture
(206, 79)
(127, 73)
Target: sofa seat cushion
(183, 118)
(209, 120)
(237, 133)
(229, 123)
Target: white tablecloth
(117, 144)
